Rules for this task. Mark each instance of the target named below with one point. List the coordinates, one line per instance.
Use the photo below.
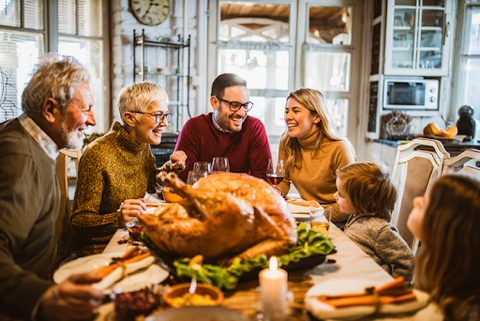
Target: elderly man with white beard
(57, 105)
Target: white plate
(339, 286)
(154, 274)
(298, 209)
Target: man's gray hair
(139, 96)
(56, 77)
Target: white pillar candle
(274, 284)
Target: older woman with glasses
(117, 170)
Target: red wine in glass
(274, 179)
(275, 173)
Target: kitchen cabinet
(160, 61)
(418, 37)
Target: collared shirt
(45, 142)
(217, 126)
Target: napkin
(345, 299)
(133, 260)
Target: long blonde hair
(314, 101)
(449, 262)
(370, 189)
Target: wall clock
(150, 12)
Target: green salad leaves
(309, 243)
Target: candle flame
(273, 263)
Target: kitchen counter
(453, 147)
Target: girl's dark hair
(448, 265)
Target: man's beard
(72, 141)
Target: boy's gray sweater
(381, 241)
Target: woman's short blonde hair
(139, 96)
(370, 189)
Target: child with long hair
(447, 223)
(366, 192)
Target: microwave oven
(410, 94)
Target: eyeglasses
(235, 105)
(158, 117)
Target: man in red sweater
(227, 132)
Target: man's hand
(73, 299)
(130, 211)
(178, 159)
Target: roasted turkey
(226, 215)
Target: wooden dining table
(349, 261)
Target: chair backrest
(413, 171)
(465, 163)
(63, 176)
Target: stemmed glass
(203, 166)
(275, 173)
(195, 175)
(220, 164)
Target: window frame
(458, 76)
(51, 36)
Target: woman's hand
(130, 210)
(178, 159)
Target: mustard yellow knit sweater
(112, 169)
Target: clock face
(150, 12)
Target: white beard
(71, 139)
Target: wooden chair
(465, 163)
(63, 177)
(414, 169)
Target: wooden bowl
(203, 289)
(171, 197)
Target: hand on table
(73, 299)
(178, 159)
(130, 211)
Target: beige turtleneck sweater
(315, 179)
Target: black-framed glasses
(235, 105)
(158, 117)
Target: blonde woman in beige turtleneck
(311, 151)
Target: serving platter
(167, 262)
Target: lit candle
(274, 290)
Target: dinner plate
(322, 310)
(199, 313)
(298, 209)
(154, 274)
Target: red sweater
(248, 150)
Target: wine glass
(203, 166)
(194, 176)
(275, 173)
(220, 164)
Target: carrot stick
(106, 270)
(138, 258)
(395, 284)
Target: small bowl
(131, 304)
(179, 290)
(171, 197)
(134, 228)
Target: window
(278, 46)
(24, 39)
(467, 92)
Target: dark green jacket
(29, 205)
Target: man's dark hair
(226, 80)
